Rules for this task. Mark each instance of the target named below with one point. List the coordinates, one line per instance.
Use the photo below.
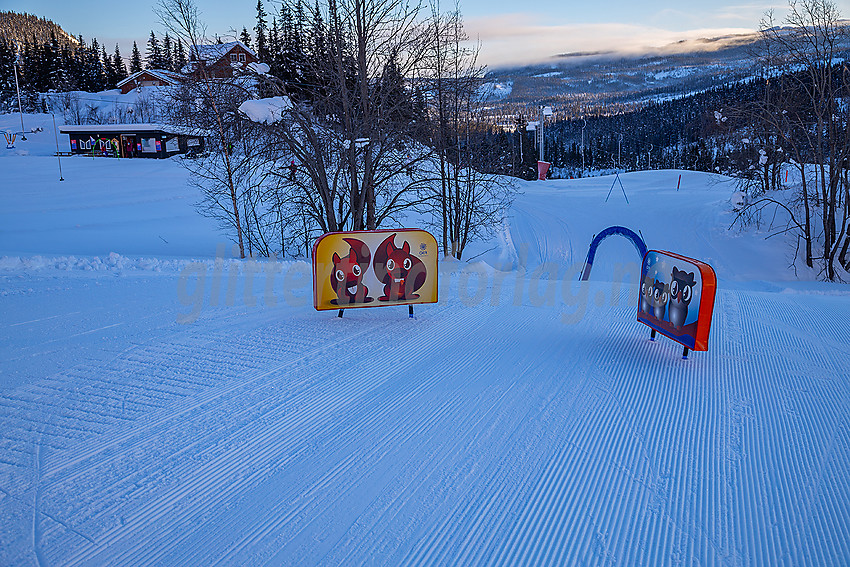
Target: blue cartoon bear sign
(677, 297)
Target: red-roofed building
(220, 60)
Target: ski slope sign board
(374, 268)
(677, 297)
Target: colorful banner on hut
(677, 297)
(374, 268)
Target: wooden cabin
(220, 60)
(150, 78)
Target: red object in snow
(542, 170)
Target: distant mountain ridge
(21, 28)
(578, 82)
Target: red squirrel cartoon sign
(374, 268)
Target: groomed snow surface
(159, 406)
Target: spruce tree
(319, 46)
(167, 55)
(28, 68)
(135, 59)
(118, 65)
(260, 29)
(179, 56)
(110, 76)
(393, 96)
(245, 38)
(55, 76)
(77, 65)
(274, 49)
(7, 73)
(286, 53)
(70, 68)
(153, 56)
(300, 23)
(95, 72)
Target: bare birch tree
(805, 113)
(468, 201)
(181, 18)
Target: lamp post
(520, 143)
(619, 144)
(583, 126)
(544, 112)
(18, 89)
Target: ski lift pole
(18, 89)
(56, 137)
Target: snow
(214, 52)
(134, 127)
(676, 73)
(163, 403)
(496, 90)
(259, 68)
(266, 110)
(167, 76)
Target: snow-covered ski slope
(521, 420)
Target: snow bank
(266, 110)
(113, 262)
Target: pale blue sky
(509, 31)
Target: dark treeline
(59, 65)
(55, 66)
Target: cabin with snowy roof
(150, 78)
(220, 60)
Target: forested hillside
(22, 28)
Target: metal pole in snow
(679, 183)
(541, 133)
(619, 143)
(56, 136)
(520, 149)
(18, 88)
(582, 145)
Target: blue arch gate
(631, 235)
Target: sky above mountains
(509, 32)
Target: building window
(241, 57)
(233, 58)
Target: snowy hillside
(159, 406)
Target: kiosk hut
(134, 140)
